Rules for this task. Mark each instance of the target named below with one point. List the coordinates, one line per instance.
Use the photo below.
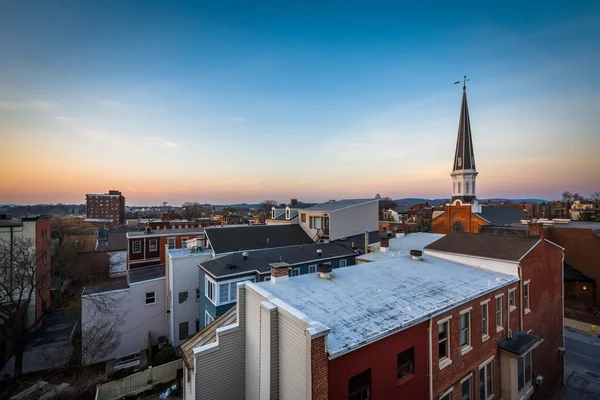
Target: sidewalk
(582, 326)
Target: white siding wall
(354, 220)
(293, 352)
(506, 267)
(253, 343)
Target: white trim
(499, 295)
(207, 314)
(485, 336)
(441, 321)
(139, 242)
(229, 283)
(311, 266)
(444, 362)
(528, 251)
(483, 364)
(345, 263)
(484, 302)
(512, 308)
(465, 348)
(447, 392)
(468, 376)
(174, 242)
(466, 310)
(560, 247)
(146, 298)
(206, 280)
(297, 270)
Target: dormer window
(287, 213)
(273, 211)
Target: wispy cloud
(64, 119)
(112, 104)
(171, 144)
(38, 105)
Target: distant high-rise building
(107, 206)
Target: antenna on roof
(465, 80)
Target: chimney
(536, 228)
(324, 271)
(279, 271)
(293, 201)
(416, 255)
(384, 244)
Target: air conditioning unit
(539, 380)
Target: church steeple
(463, 171)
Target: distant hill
(411, 201)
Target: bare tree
(191, 210)
(595, 196)
(266, 205)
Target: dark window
(406, 362)
(183, 296)
(197, 325)
(359, 386)
(443, 340)
(465, 387)
(150, 298)
(183, 330)
(302, 217)
(458, 227)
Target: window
(153, 245)
(465, 329)
(511, 300)
(137, 246)
(210, 289)
(224, 293)
(359, 386)
(467, 187)
(484, 321)
(447, 395)
(183, 330)
(406, 362)
(197, 294)
(459, 187)
(303, 217)
(486, 389)
(207, 318)
(499, 325)
(458, 226)
(287, 213)
(312, 269)
(444, 343)
(183, 296)
(171, 242)
(343, 263)
(526, 298)
(315, 222)
(465, 387)
(267, 278)
(150, 298)
(295, 271)
(460, 163)
(524, 370)
(183, 242)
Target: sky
(226, 102)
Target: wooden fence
(139, 382)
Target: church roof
(501, 215)
(464, 158)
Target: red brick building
(108, 206)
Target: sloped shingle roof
(227, 240)
(509, 248)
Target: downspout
(431, 361)
(520, 298)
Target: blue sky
(227, 102)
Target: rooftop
(259, 260)
(358, 241)
(117, 241)
(402, 245)
(254, 237)
(109, 285)
(10, 222)
(505, 214)
(142, 274)
(367, 302)
(337, 205)
(509, 248)
(164, 232)
(181, 253)
(519, 344)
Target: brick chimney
(279, 271)
(293, 201)
(536, 228)
(384, 244)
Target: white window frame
(444, 362)
(153, 297)
(463, 380)
(224, 289)
(527, 296)
(512, 292)
(288, 213)
(312, 269)
(296, 271)
(448, 393)
(232, 289)
(465, 348)
(174, 243)
(526, 385)
(500, 324)
(211, 281)
(345, 262)
(152, 244)
(138, 244)
(273, 213)
(485, 305)
(487, 364)
(207, 316)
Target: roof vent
(319, 251)
(324, 271)
(245, 255)
(267, 240)
(416, 255)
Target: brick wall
(462, 365)
(463, 214)
(319, 369)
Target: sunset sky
(173, 101)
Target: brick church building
(465, 213)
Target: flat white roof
(402, 245)
(366, 302)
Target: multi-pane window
(465, 388)
(484, 320)
(359, 386)
(315, 222)
(443, 343)
(406, 362)
(295, 271)
(210, 290)
(486, 389)
(171, 242)
(498, 312)
(183, 296)
(233, 291)
(524, 370)
(224, 293)
(465, 329)
(150, 298)
(526, 295)
(312, 269)
(137, 246)
(343, 263)
(153, 245)
(511, 300)
(183, 330)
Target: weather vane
(465, 80)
